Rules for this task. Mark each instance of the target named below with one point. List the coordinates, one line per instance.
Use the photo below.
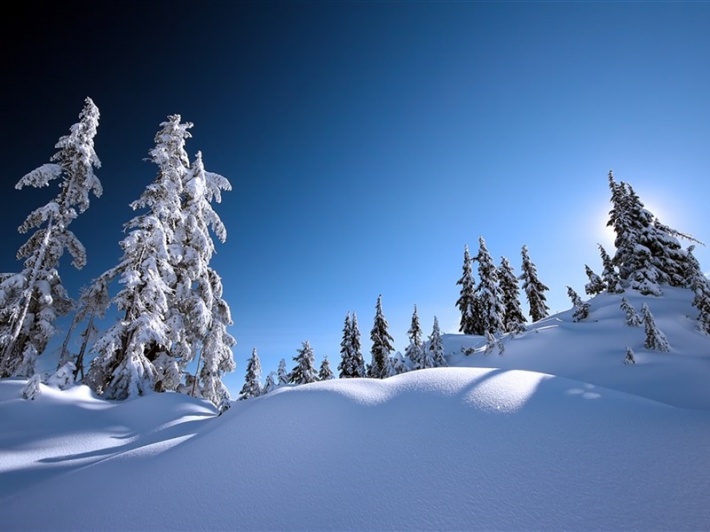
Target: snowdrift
(556, 434)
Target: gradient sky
(368, 142)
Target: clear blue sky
(368, 142)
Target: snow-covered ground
(555, 433)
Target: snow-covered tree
(655, 339)
(191, 318)
(127, 354)
(399, 365)
(216, 354)
(581, 308)
(489, 294)
(325, 373)
(610, 277)
(172, 299)
(282, 374)
(31, 300)
(414, 352)
(351, 364)
(632, 318)
(252, 380)
(436, 346)
(490, 342)
(32, 389)
(63, 378)
(648, 253)
(534, 289)
(513, 320)
(305, 371)
(595, 285)
(270, 383)
(699, 284)
(467, 302)
(629, 359)
(380, 367)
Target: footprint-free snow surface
(554, 433)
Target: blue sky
(368, 142)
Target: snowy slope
(556, 434)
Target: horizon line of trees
(171, 300)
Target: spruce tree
(513, 320)
(581, 308)
(172, 298)
(398, 364)
(93, 303)
(252, 380)
(595, 285)
(356, 348)
(270, 383)
(31, 300)
(699, 284)
(534, 289)
(414, 352)
(198, 289)
(648, 253)
(632, 318)
(490, 294)
(655, 339)
(325, 373)
(436, 346)
(216, 354)
(127, 352)
(629, 359)
(380, 367)
(305, 371)
(282, 374)
(610, 277)
(467, 302)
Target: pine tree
(490, 294)
(513, 320)
(325, 373)
(192, 317)
(172, 299)
(93, 303)
(216, 354)
(655, 339)
(595, 285)
(467, 302)
(399, 365)
(31, 300)
(380, 367)
(282, 374)
(610, 277)
(436, 346)
(581, 308)
(32, 389)
(629, 359)
(414, 352)
(127, 353)
(305, 371)
(356, 348)
(648, 253)
(534, 289)
(252, 381)
(270, 383)
(351, 364)
(699, 284)
(632, 318)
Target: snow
(556, 433)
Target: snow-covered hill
(555, 433)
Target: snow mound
(438, 449)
